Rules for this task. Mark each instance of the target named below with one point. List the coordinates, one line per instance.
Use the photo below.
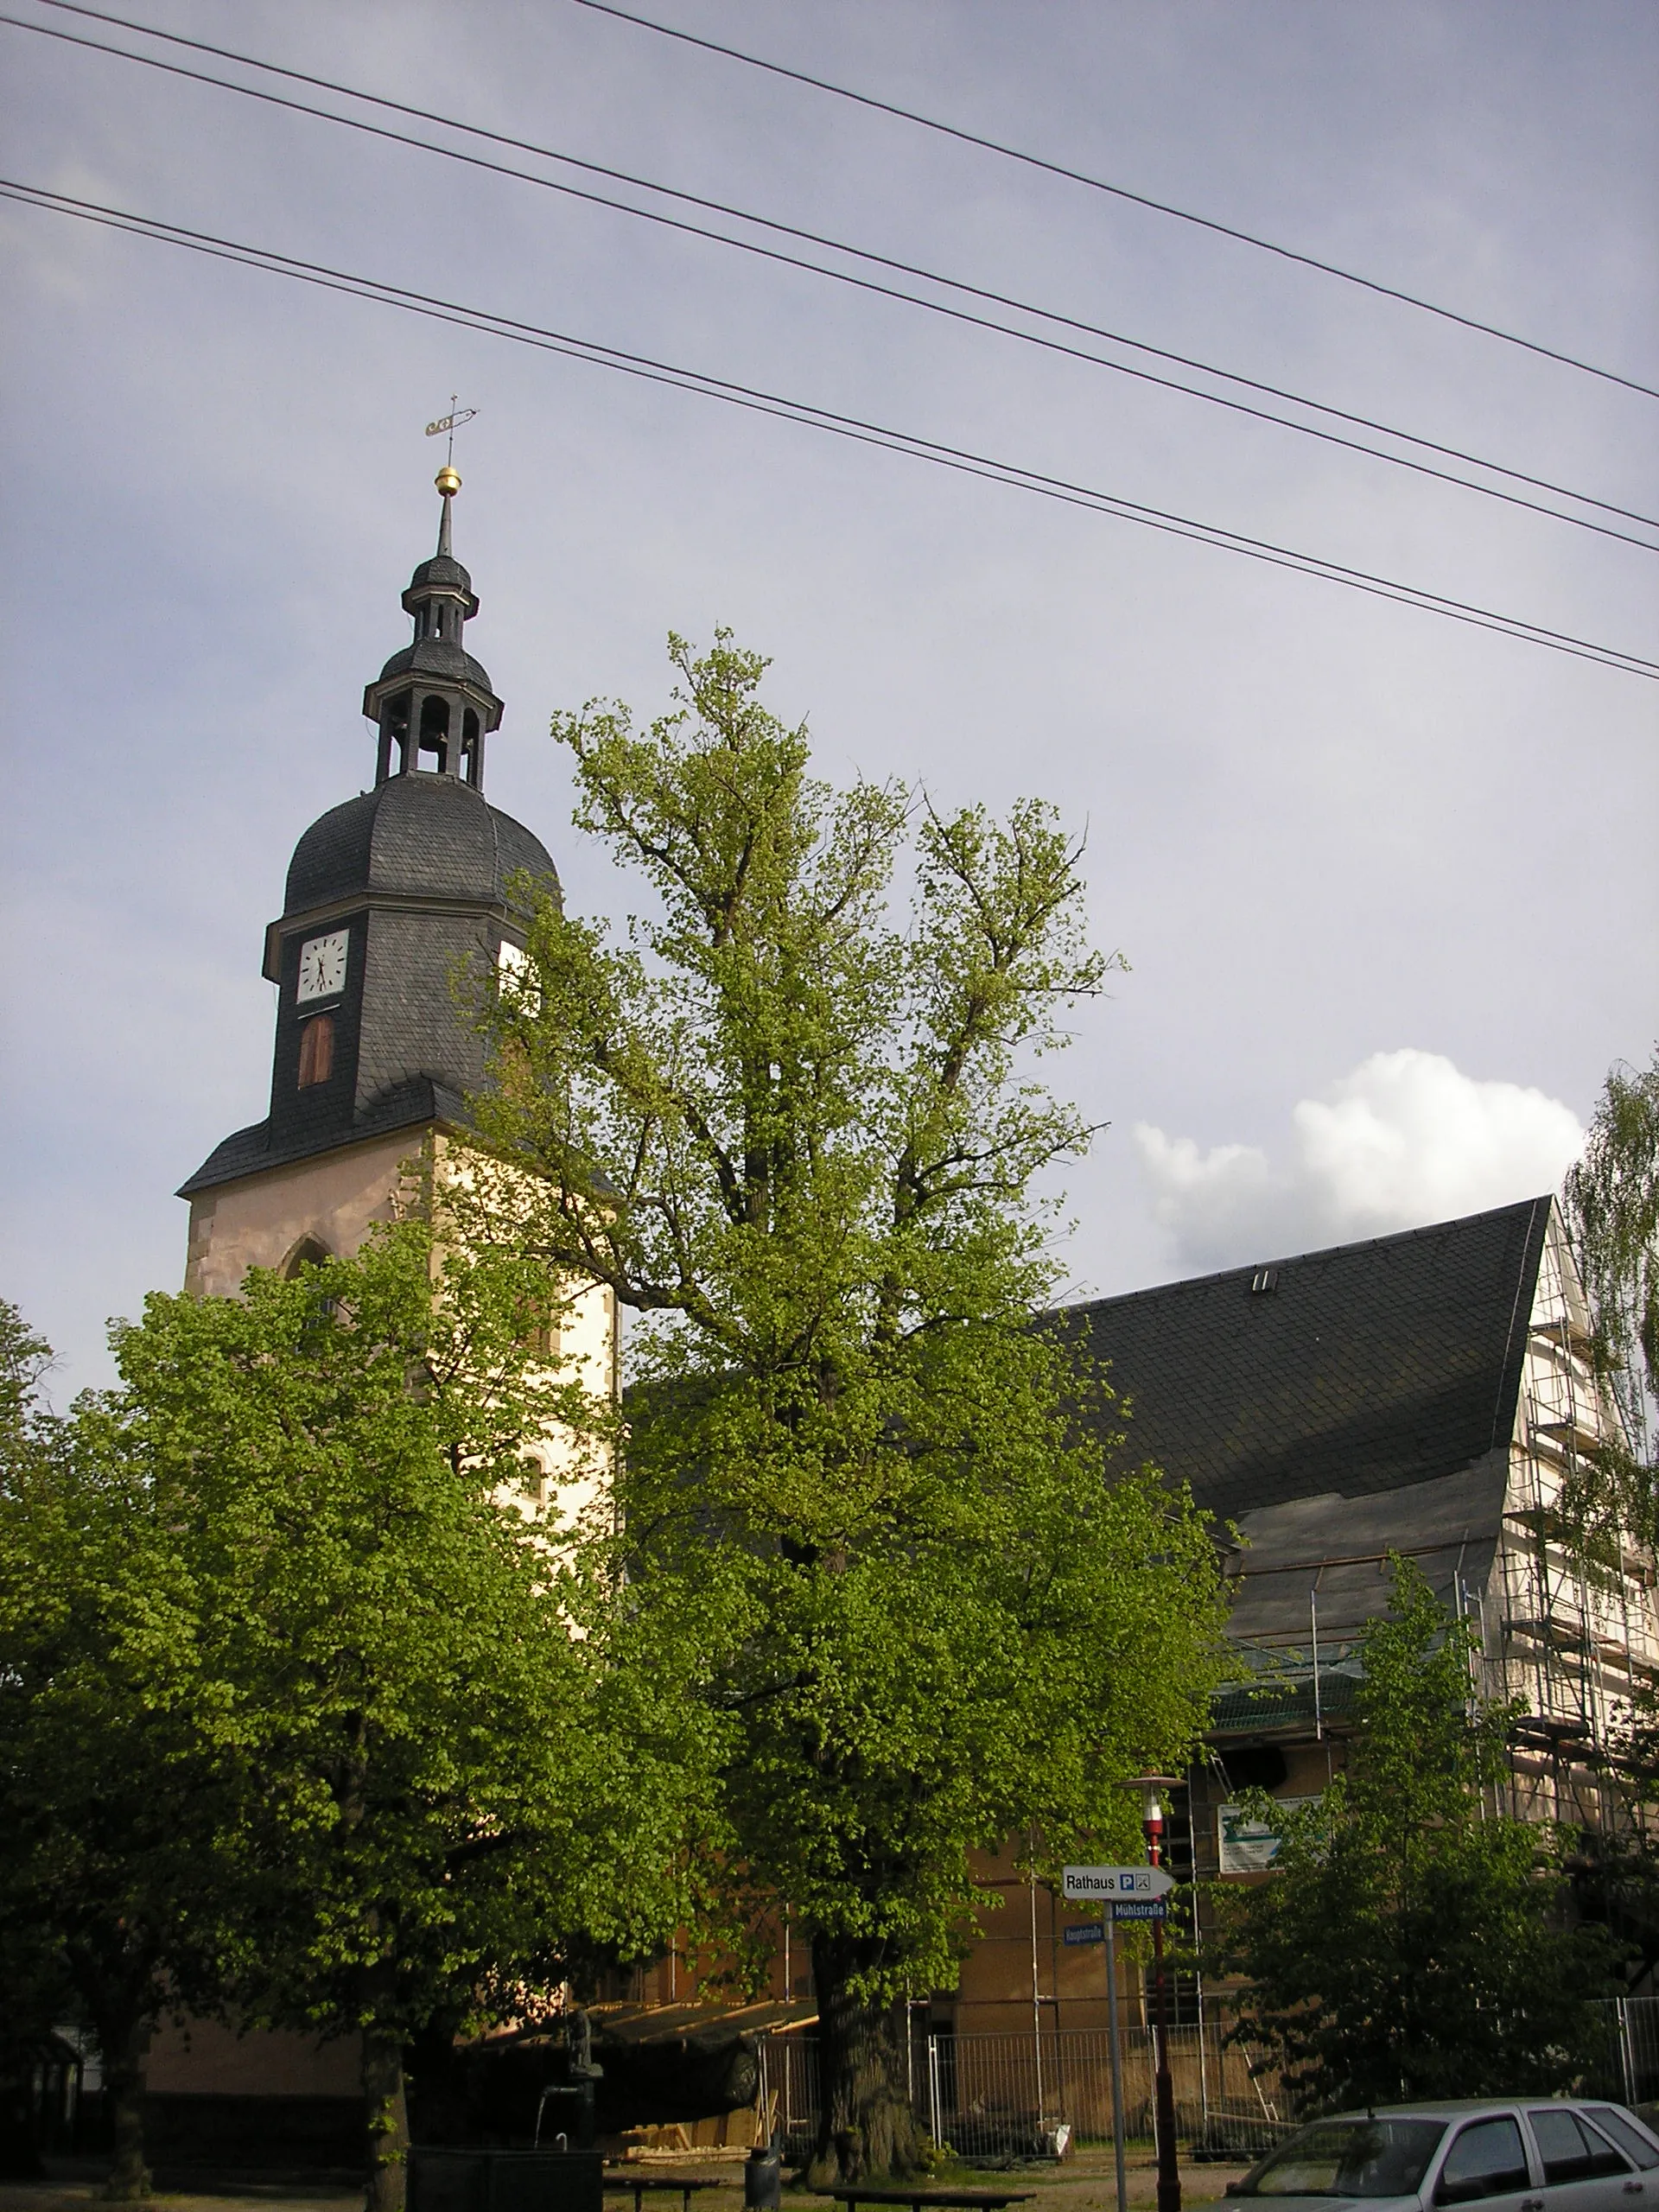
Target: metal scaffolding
(1575, 1637)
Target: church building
(1430, 1395)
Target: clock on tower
(323, 966)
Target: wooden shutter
(317, 1050)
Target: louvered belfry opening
(317, 1050)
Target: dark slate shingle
(413, 835)
(420, 1100)
(1366, 1368)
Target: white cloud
(1407, 1139)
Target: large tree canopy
(801, 1137)
(384, 1757)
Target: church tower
(386, 895)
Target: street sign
(1118, 1881)
(1090, 1932)
(1139, 1909)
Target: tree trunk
(121, 2048)
(866, 2126)
(387, 2113)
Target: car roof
(1455, 2107)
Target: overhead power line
(1117, 192)
(841, 277)
(958, 459)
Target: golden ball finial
(448, 480)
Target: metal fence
(789, 2090)
(1008, 2096)
(1631, 2070)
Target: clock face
(323, 966)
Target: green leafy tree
(38, 1993)
(107, 1804)
(26, 1424)
(422, 1765)
(1413, 1941)
(1610, 1201)
(799, 1137)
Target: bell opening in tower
(394, 736)
(434, 732)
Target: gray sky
(1387, 885)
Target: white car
(1519, 2154)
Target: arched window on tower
(317, 1050)
(394, 737)
(307, 1253)
(320, 1309)
(539, 1330)
(434, 730)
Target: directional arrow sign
(1118, 1881)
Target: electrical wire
(958, 459)
(865, 284)
(235, 56)
(1118, 192)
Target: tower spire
(448, 480)
(433, 698)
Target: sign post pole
(1116, 2046)
(1169, 2172)
(1124, 1893)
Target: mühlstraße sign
(1118, 1881)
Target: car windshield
(1348, 2157)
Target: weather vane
(451, 423)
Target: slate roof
(442, 571)
(1365, 1369)
(411, 836)
(436, 657)
(1361, 1405)
(417, 1102)
(417, 873)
